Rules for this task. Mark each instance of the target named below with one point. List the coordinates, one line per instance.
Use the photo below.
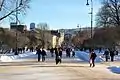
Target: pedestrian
(31, 49)
(73, 53)
(106, 53)
(112, 54)
(23, 49)
(68, 52)
(39, 54)
(57, 58)
(60, 52)
(52, 52)
(100, 50)
(116, 52)
(43, 54)
(92, 58)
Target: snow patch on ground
(115, 69)
(85, 56)
(10, 58)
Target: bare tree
(43, 26)
(109, 13)
(8, 8)
(43, 29)
(6, 44)
(103, 17)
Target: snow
(100, 57)
(115, 69)
(85, 56)
(11, 57)
(80, 56)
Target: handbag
(90, 61)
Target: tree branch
(1, 4)
(16, 9)
(19, 8)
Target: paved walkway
(70, 69)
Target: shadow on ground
(58, 66)
(43, 64)
(114, 69)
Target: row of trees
(108, 18)
(107, 30)
(40, 36)
(10, 9)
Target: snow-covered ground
(85, 56)
(11, 57)
(100, 57)
(80, 56)
(114, 68)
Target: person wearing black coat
(43, 55)
(106, 53)
(68, 52)
(57, 56)
(52, 52)
(112, 55)
(39, 54)
(60, 52)
(92, 58)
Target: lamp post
(17, 5)
(79, 33)
(91, 15)
(79, 27)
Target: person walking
(68, 50)
(57, 58)
(60, 52)
(112, 54)
(73, 52)
(116, 52)
(39, 54)
(52, 52)
(92, 58)
(43, 54)
(106, 53)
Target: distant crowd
(57, 53)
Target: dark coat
(52, 50)
(38, 52)
(43, 53)
(106, 53)
(93, 55)
(112, 53)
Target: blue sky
(60, 13)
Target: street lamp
(16, 52)
(79, 33)
(79, 27)
(91, 15)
